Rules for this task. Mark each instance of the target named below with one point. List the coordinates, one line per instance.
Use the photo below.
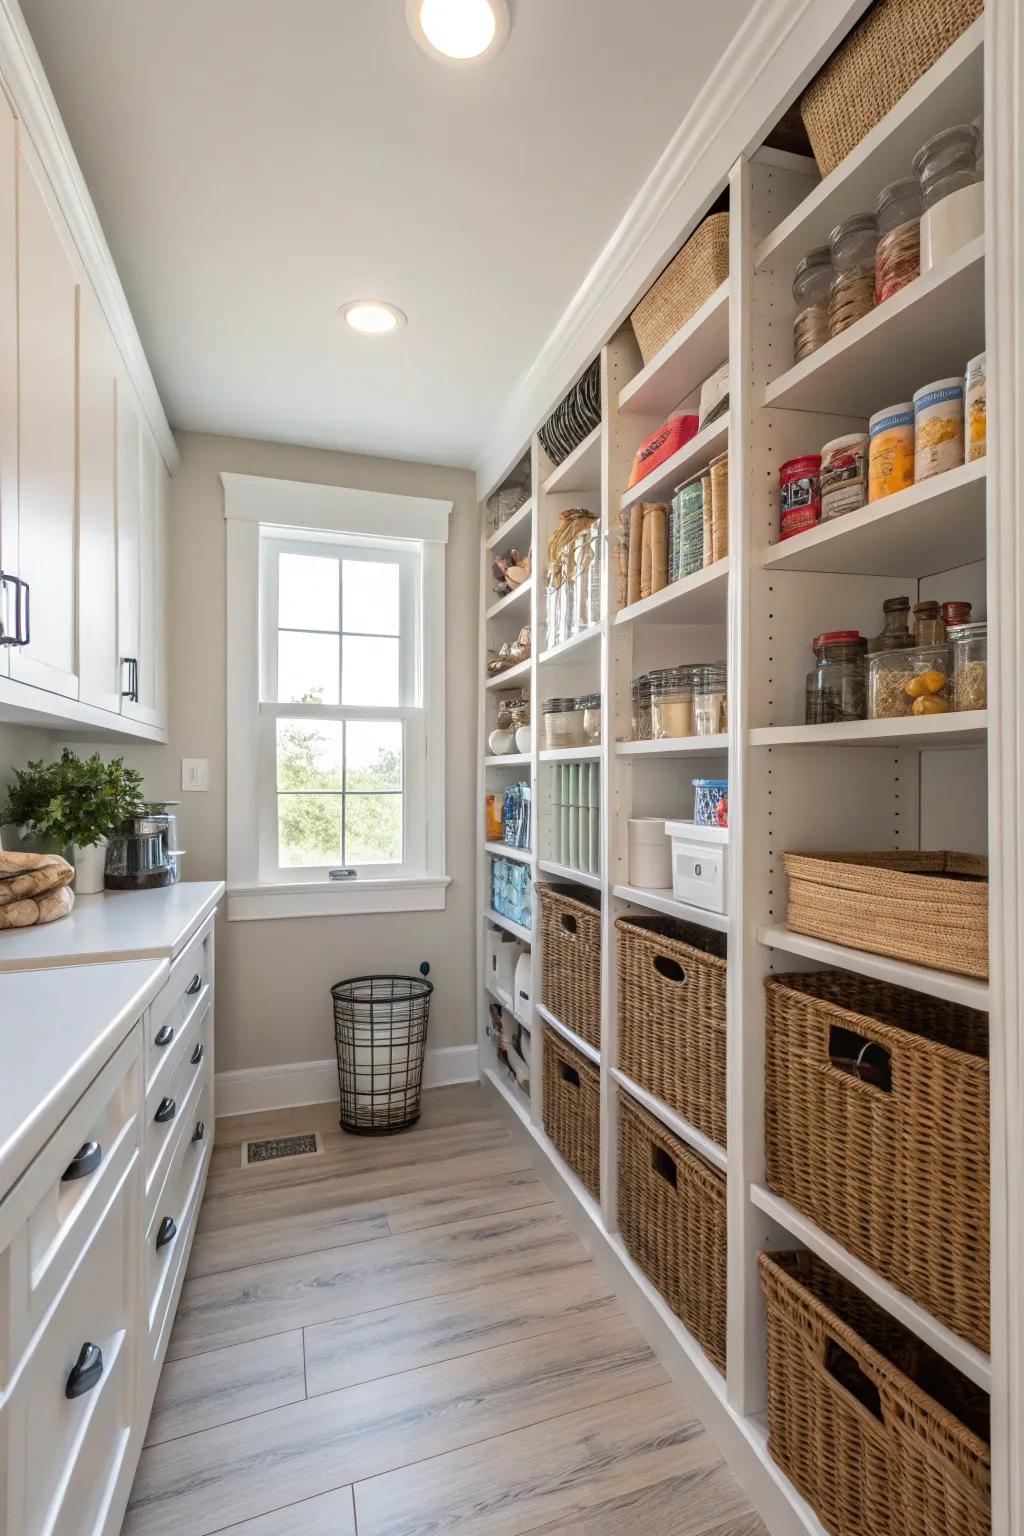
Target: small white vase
(90, 864)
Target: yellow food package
(891, 451)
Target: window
(345, 663)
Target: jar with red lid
(836, 689)
(955, 613)
(799, 494)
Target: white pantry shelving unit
(952, 781)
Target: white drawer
(171, 1225)
(184, 997)
(699, 871)
(172, 1098)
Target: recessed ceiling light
(459, 31)
(372, 317)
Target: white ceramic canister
(951, 224)
(650, 854)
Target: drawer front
(184, 997)
(171, 1099)
(698, 874)
(172, 1223)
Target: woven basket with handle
(876, 1127)
(880, 1435)
(886, 53)
(929, 908)
(672, 1219)
(570, 972)
(686, 283)
(572, 1107)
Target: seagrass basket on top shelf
(687, 282)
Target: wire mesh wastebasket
(380, 1030)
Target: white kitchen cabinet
(9, 591)
(141, 563)
(98, 656)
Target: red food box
(661, 445)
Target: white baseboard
(316, 1082)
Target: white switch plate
(195, 773)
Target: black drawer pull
(164, 1036)
(197, 1055)
(167, 1233)
(85, 1372)
(194, 985)
(165, 1110)
(85, 1161)
(200, 1131)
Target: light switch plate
(195, 773)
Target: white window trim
(250, 502)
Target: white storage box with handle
(699, 864)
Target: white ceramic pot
(501, 742)
(90, 864)
(650, 854)
(524, 739)
(952, 222)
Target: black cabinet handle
(167, 1233)
(131, 693)
(85, 1372)
(165, 1110)
(85, 1161)
(194, 985)
(21, 632)
(200, 1131)
(197, 1055)
(164, 1035)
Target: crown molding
(25, 82)
(777, 50)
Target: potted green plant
(75, 803)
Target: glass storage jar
(672, 703)
(640, 702)
(970, 665)
(852, 291)
(929, 625)
(591, 706)
(711, 802)
(563, 724)
(955, 613)
(836, 688)
(811, 282)
(896, 633)
(947, 162)
(710, 711)
(898, 210)
(587, 572)
(914, 682)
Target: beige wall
(273, 1004)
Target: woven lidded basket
(876, 1127)
(570, 971)
(930, 908)
(687, 282)
(880, 1435)
(672, 1219)
(572, 1107)
(672, 1016)
(884, 55)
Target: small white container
(503, 952)
(650, 854)
(951, 224)
(524, 739)
(522, 993)
(699, 864)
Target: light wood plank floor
(403, 1336)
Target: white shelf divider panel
(684, 362)
(673, 746)
(506, 851)
(900, 973)
(511, 675)
(566, 872)
(579, 648)
(698, 599)
(508, 760)
(581, 471)
(514, 604)
(962, 728)
(708, 1149)
(665, 903)
(569, 754)
(514, 529)
(516, 929)
(583, 1046)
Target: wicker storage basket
(720, 506)
(572, 1107)
(877, 1432)
(890, 49)
(672, 1016)
(928, 908)
(672, 1219)
(686, 283)
(570, 971)
(896, 1169)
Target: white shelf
(926, 331)
(569, 1034)
(502, 680)
(900, 973)
(665, 902)
(509, 1090)
(936, 525)
(974, 1365)
(963, 728)
(566, 872)
(684, 362)
(674, 746)
(499, 997)
(951, 92)
(702, 598)
(513, 528)
(516, 929)
(570, 754)
(577, 648)
(508, 760)
(503, 851)
(708, 1149)
(509, 605)
(693, 456)
(581, 471)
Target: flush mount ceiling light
(459, 31)
(372, 317)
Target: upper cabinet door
(48, 290)
(141, 564)
(8, 379)
(98, 656)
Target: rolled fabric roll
(636, 524)
(646, 551)
(657, 513)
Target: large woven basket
(672, 1016)
(928, 908)
(687, 282)
(572, 1107)
(897, 1171)
(877, 1432)
(672, 1219)
(890, 49)
(570, 969)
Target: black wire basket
(380, 1030)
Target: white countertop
(117, 925)
(57, 1030)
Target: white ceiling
(255, 163)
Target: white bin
(699, 864)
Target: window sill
(328, 898)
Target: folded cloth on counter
(34, 888)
